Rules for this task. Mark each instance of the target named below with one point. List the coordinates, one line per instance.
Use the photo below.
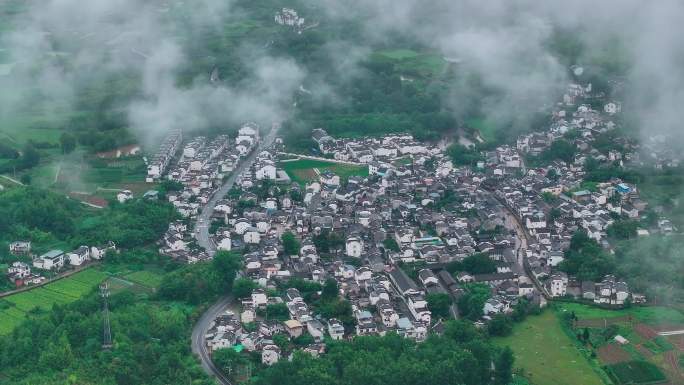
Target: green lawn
(652, 315)
(546, 353)
(64, 291)
(302, 171)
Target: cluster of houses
(416, 207)
(20, 273)
(157, 164)
(201, 169)
(551, 203)
(373, 150)
(430, 211)
(289, 17)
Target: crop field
(547, 354)
(635, 372)
(302, 171)
(16, 307)
(646, 357)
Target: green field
(64, 291)
(546, 353)
(145, 278)
(652, 315)
(486, 129)
(302, 171)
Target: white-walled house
(52, 260)
(270, 355)
(354, 247)
(79, 256)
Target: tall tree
(503, 373)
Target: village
(386, 239)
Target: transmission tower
(107, 331)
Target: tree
(243, 287)
(478, 263)
(229, 361)
(464, 156)
(503, 373)
(67, 142)
(471, 304)
(30, 157)
(500, 326)
(391, 244)
(277, 311)
(439, 304)
(226, 264)
(26, 179)
(290, 243)
(330, 290)
(622, 229)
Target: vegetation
(47, 218)
(463, 355)
(19, 306)
(304, 170)
(201, 282)
(150, 345)
(586, 259)
(290, 244)
(471, 304)
(635, 372)
(546, 353)
(478, 263)
(438, 304)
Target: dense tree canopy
(462, 356)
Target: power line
(107, 331)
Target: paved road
(199, 346)
(204, 219)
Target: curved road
(199, 347)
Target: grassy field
(487, 129)
(302, 171)
(146, 278)
(547, 354)
(16, 307)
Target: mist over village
(341, 192)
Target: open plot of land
(635, 372)
(547, 354)
(302, 170)
(60, 292)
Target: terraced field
(15, 308)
